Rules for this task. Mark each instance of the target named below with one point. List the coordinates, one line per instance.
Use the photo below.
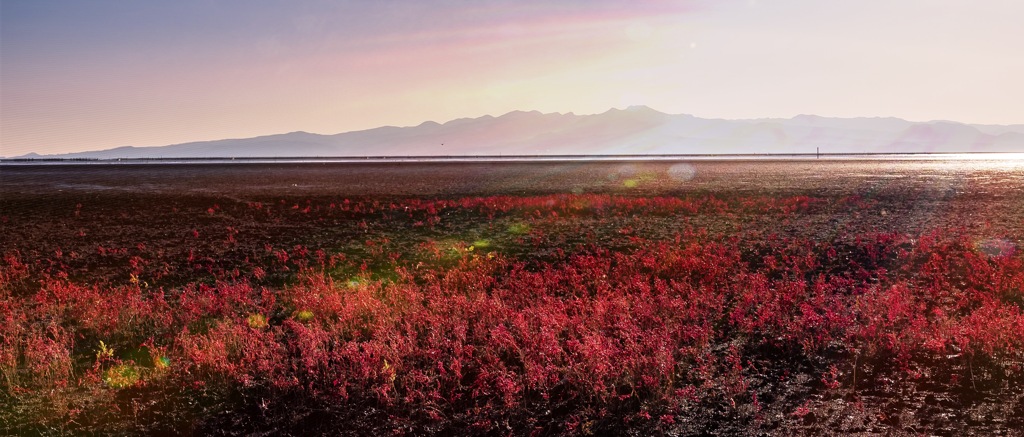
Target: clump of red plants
(530, 331)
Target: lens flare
(682, 172)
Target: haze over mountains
(634, 130)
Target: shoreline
(768, 157)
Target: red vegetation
(524, 321)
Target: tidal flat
(531, 298)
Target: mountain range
(634, 130)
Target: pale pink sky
(80, 76)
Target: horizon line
(499, 157)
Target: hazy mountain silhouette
(635, 130)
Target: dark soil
(197, 224)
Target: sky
(88, 75)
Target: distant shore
(523, 158)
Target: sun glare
(989, 161)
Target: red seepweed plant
(509, 325)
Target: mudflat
(872, 176)
(914, 194)
(576, 298)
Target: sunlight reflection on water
(1011, 162)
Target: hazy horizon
(636, 130)
(99, 75)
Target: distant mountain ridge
(634, 130)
